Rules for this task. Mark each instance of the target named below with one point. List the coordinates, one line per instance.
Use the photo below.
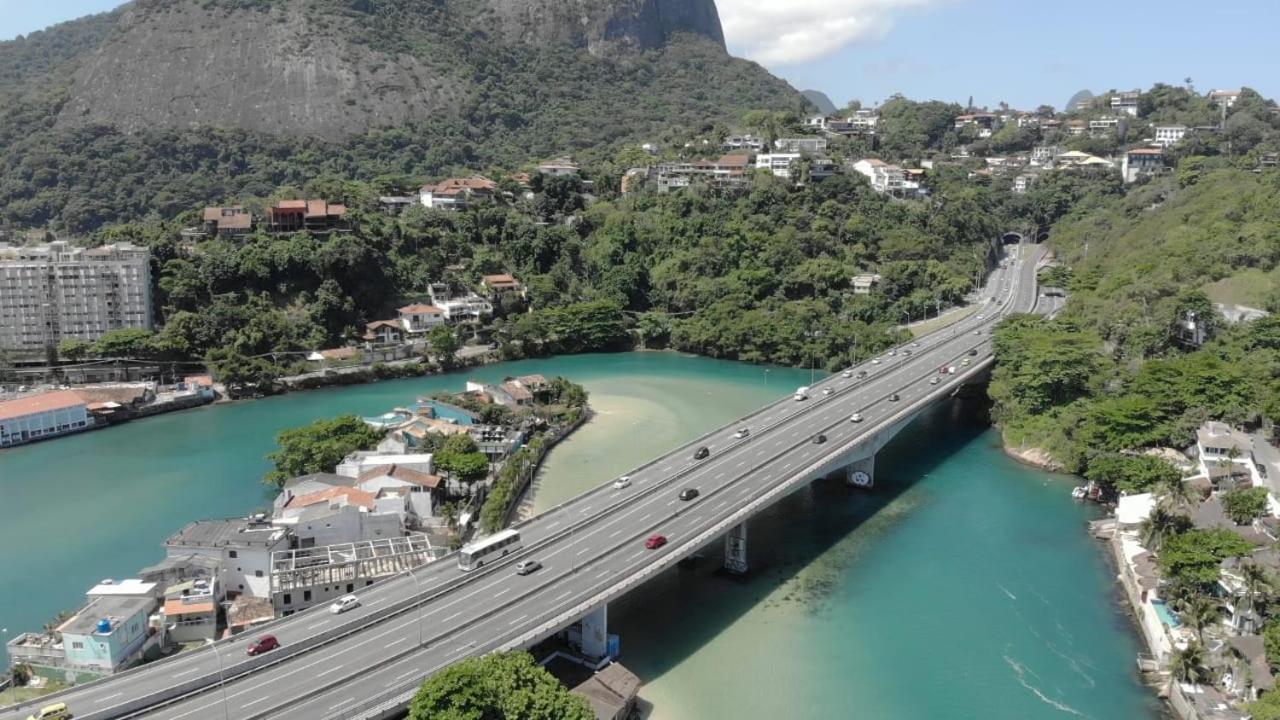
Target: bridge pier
(862, 473)
(595, 632)
(735, 549)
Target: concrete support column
(595, 633)
(862, 473)
(735, 549)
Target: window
(306, 596)
(350, 587)
(232, 553)
(77, 645)
(257, 573)
(288, 598)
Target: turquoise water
(1166, 615)
(964, 586)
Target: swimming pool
(1165, 614)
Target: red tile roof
(176, 606)
(351, 495)
(401, 473)
(420, 309)
(201, 380)
(44, 402)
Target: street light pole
(222, 678)
(418, 591)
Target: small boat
(1079, 492)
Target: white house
(419, 318)
(864, 284)
(1125, 103)
(884, 178)
(462, 308)
(777, 163)
(1023, 183)
(1167, 135)
(800, 144)
(242, 547)
(559, 167)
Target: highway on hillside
(591, 549)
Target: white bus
(499, 544)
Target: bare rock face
(607, 27)
(279, 72)
(301, 67)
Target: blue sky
(1024, 52)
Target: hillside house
(1141, 162)
(560, 167)
(1125, 103)
(418, 318)
(884, 178)
(227, 221)
(456, 193)
(384, 332)
(317, 216)
(1169, 135)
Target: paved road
(591, 549)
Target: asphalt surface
(591, 549)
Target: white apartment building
(777, 163)
(463, 308)
(884, 178)
(1044, 154)
(800, 144)
(1167, 135)
(1126, 103)
(1023, 183)
(56, 291)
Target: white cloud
(782, 32)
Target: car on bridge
(846, 374)
(524, 567)
(934, 380)
(862, 373)
(688, 494)
(973, 352)
(894, 397)
(856, 417)
(655, 541)
(56, 711)
(344, 603)
(828, 391)
(264, 644)
(819, 439)
(742, 433)
(702, 454)
(622, 483)
(875, 361)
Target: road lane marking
(518, 620)
(185, 673)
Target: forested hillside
(152, 110)
(1116, 371)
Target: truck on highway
(802, 393)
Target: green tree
(128, 342)
(444, 342)
(461, 456)
(1200, 614)
(1266, 707)
(1244, 505)
(319, 447)
(1188, 664)
(1193, 556)
(74, 349)
(1161, 525)
(500, 686)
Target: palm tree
(1188, 664)
(1255, 582)
(1173, 492)
(1200, 613)
(1161, 525)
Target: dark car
(702, 454)
(688, 493)
(894, 397)
(973, 352)
(264, 644)
(862, 373)
(819, 439)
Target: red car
(264, 644)
(655, 541)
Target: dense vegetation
(499, 686)
(319, 447)
(1114, 372)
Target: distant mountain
(407, 86)
(1083, 96)
(820, 101)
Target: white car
(892, 353)
(934, 380)
(856, 417)
(875, 361)
(742, 433)
(979, 317)
(622, 483)
(846, 374)
(827, 391)
(344, 603)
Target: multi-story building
(1126, 103)
(884, 178)
(1044, 154)
(1167, 135)
(1104, 126)
(1225, 98)
(1023, 183)
(777, 163)
(468, 307)
(242, 548)
(54, 292)
(727, 172)
(800, 144)
(45, 415)
(1140, 162)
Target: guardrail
(391, 700)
